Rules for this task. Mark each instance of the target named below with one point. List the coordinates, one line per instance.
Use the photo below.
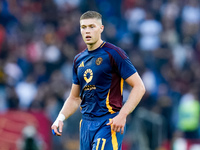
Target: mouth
(88, 37)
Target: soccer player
(98, 76)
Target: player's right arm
(70, 106)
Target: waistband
(94, 118)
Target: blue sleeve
(122, 63)
(75, 79)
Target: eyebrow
(88, 25)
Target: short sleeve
(75, 79)
(121, 62)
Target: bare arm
(135, 96)
(70, 106)
(72, 103)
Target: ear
(102, 28)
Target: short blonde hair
(91, 15)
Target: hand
(117, 123)
(57, 126)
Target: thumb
(110, 122)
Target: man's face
(91, 30)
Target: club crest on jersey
(88, 75)
(99, 61)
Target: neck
(94, 46)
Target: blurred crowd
(39, 39)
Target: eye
(92, 26)
(83, 27)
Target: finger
(122, 130)
(60, 125)
(52, 127)
(110, 122)
(118, 129)
(56, 131)
(114, 127)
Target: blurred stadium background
(38, 40)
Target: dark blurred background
(39, 39)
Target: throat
(91, 47)
(94, 46)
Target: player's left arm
(134, 98)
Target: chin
(89, 42)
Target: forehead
(90, 21)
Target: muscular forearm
(70, 106)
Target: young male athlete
(98, 75)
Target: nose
(87, 30)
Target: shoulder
(114, 50)
(79, 55)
